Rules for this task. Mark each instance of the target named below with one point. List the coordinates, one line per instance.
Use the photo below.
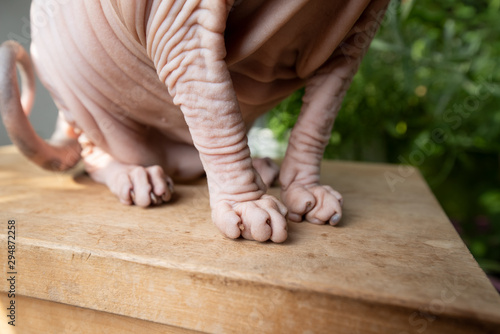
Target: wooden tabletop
(394, 265)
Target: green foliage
(428, 94)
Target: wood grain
(394, 265)
(38, 316)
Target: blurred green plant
(428, 94)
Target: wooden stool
(87, 264)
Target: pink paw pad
(316, 204)
(143, 186)
(260, 220)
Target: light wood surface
(394, 265)
(38, 316)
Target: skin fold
(154, 91)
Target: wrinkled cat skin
(151, 92)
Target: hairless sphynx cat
(154, 90)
